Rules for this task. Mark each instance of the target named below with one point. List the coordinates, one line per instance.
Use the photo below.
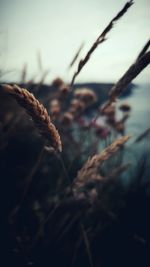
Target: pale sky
(57, 28)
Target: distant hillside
(101, 89)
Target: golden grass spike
(38, 113)
(93, 164)
(131, 73)
(100, 39)
(142, 61)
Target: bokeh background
(38, 39)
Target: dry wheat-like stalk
(140, 63)
(38, 114)
(100, 39)
(131, 73)
(93, 164)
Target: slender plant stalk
(85, 238)
(76, 56)
(100, 39)
(140, 64)
(143, 51)
(23, 74)
(142, 136)
(87, 245)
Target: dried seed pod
(55, 107)
(120, 127)
(38, 114)
(109, 111)
(111, 120)
(74, 103)
(125, 107)
(87, 95)
(57, 82)
(64, 89)
(102, 132)
(77, 107)
(67, 118)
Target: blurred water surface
(140, 115)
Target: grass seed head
(38, 114)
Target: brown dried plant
(55, 108)
(93, 164)
(125, 107)
(38, 114)
(77, 107)
(100, 39)
(131, 73)
(120, 125)
(86, 95)
(140, 63)
(143, 51)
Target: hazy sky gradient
(57, 28)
